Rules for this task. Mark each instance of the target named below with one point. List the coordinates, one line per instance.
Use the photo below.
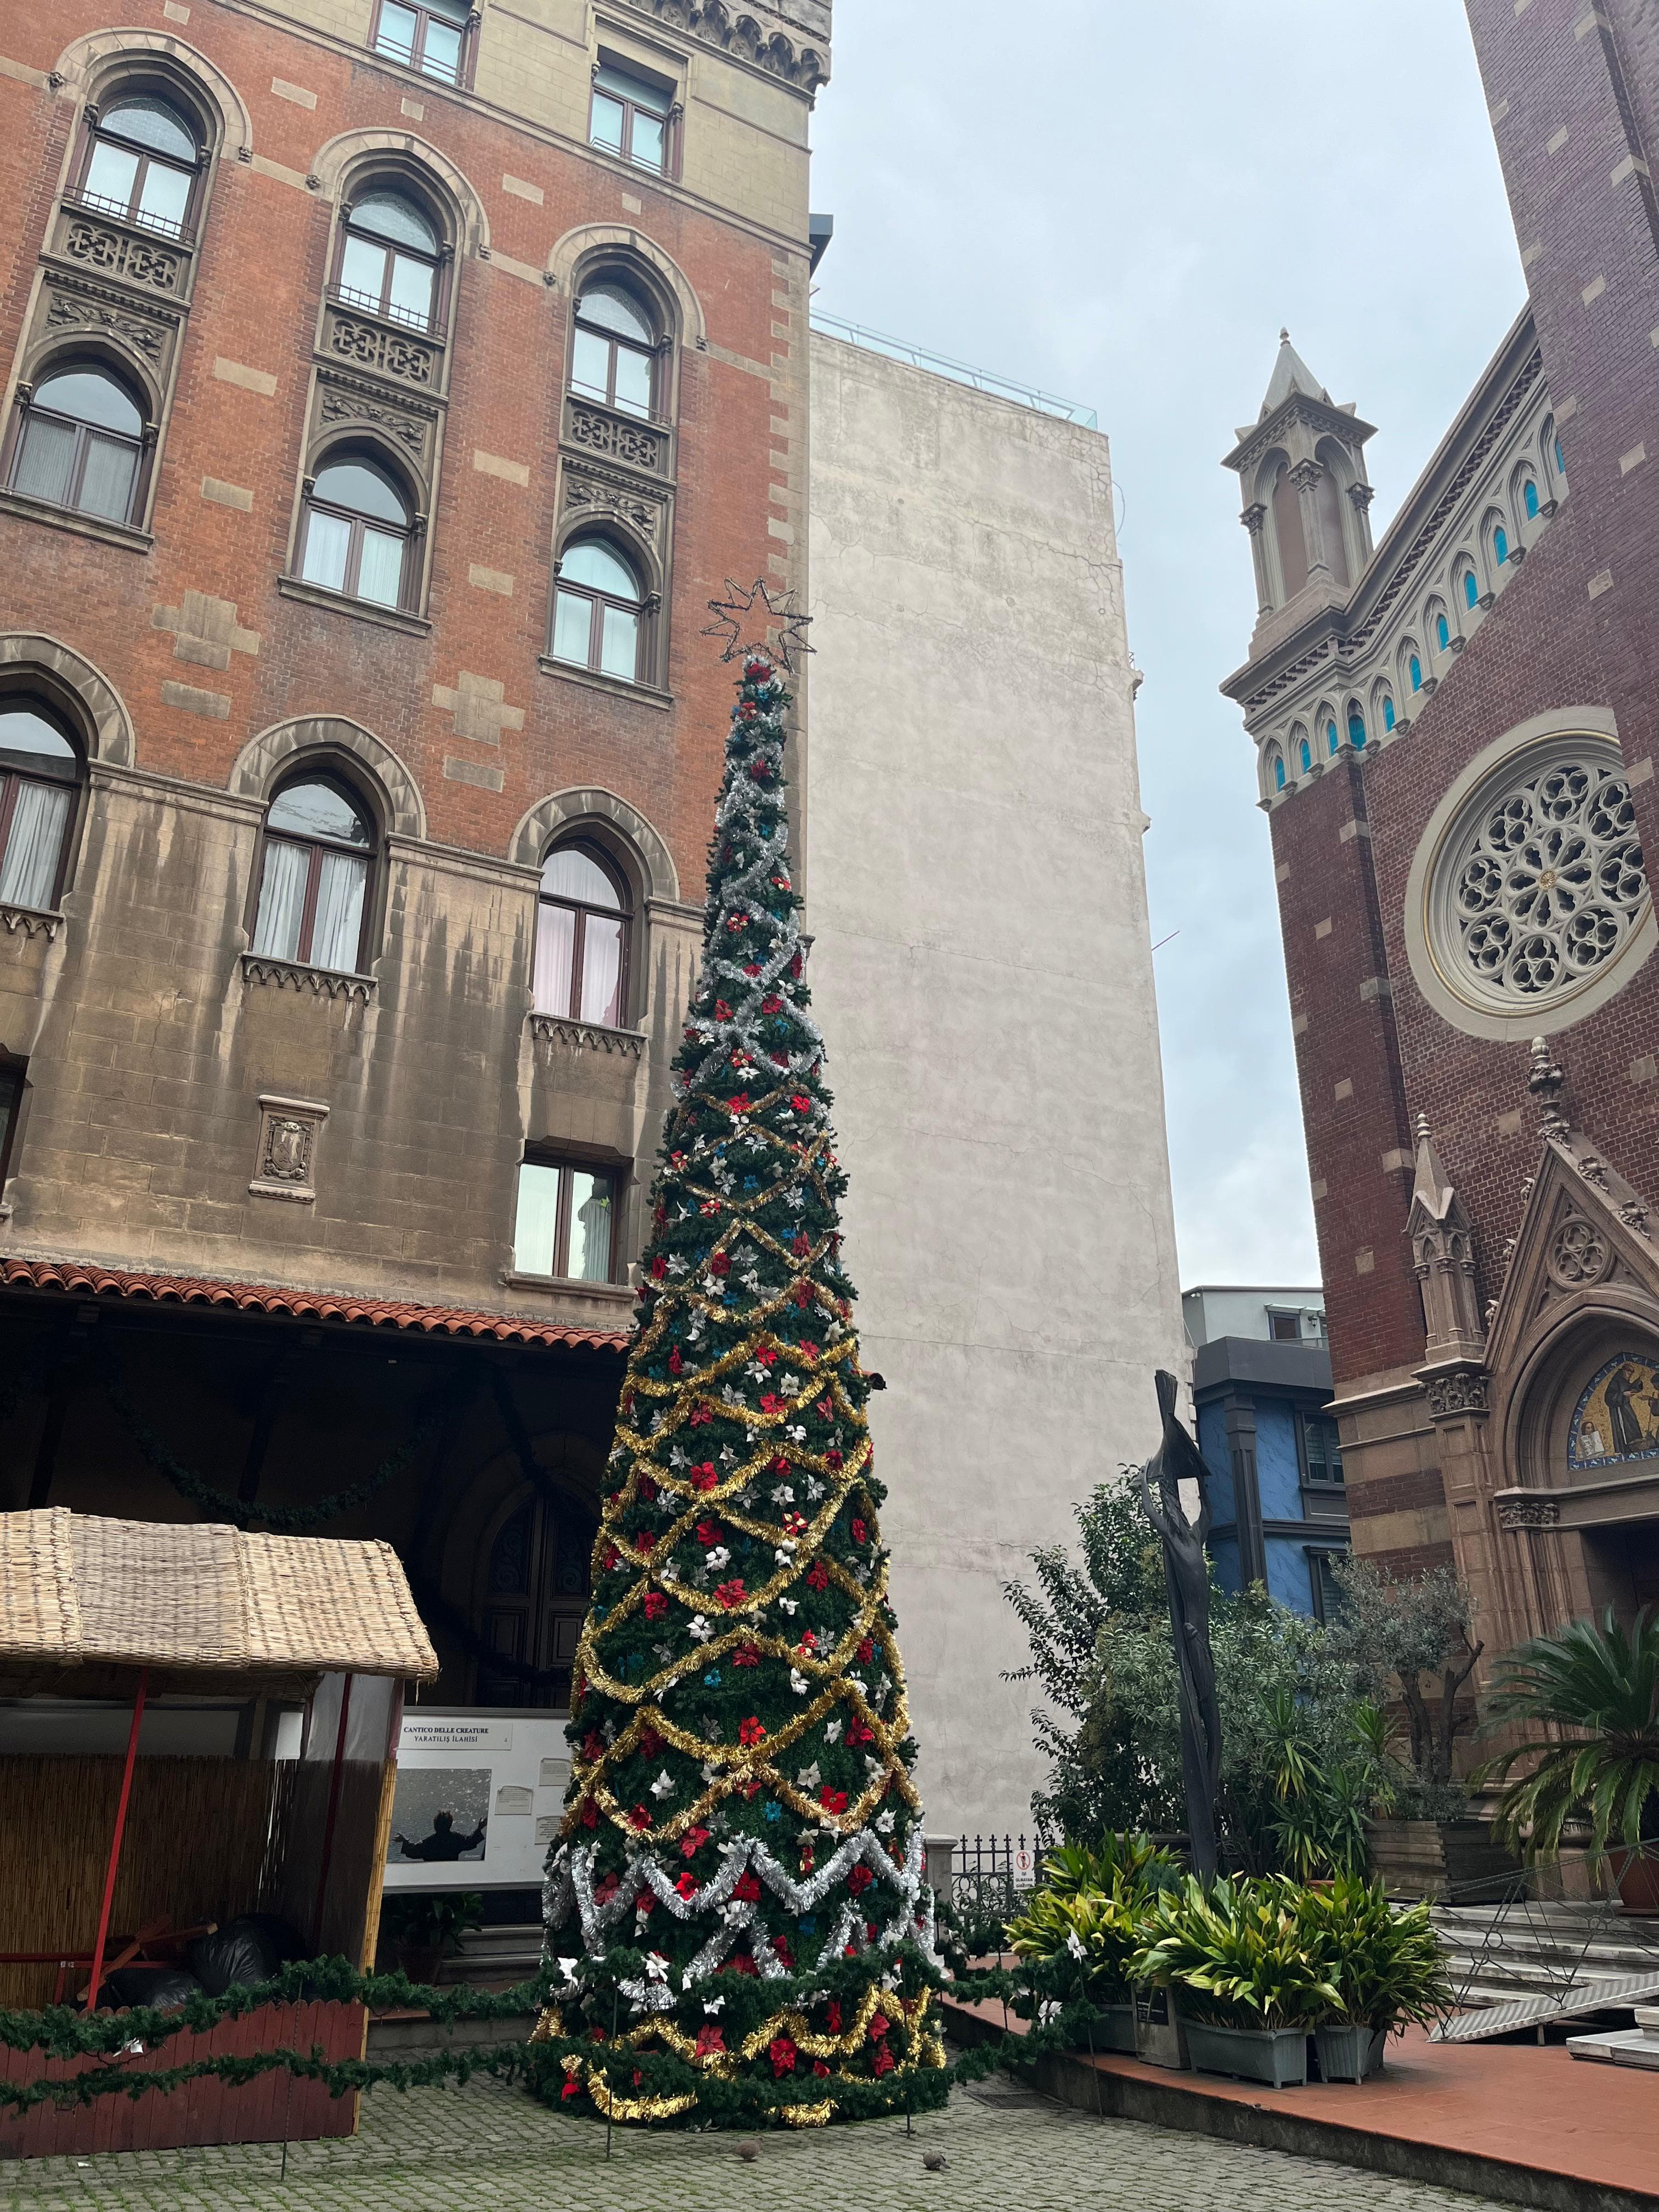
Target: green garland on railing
(1063, 2020)
(286, 1520)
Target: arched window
(313, 882)
(1417, 673)
(613, 354)
(1560, 461)
(1532, 501)
(143, 157)
(1388, 711)
(1443, 632)
(431, 37)
(597, 610)
(1356, 729)
(356, 533)
(1471, 594)
(389, 255)
(1279, 772)
(1328, 732)
(39, 770)
(1500, 545)
(581, 939)
(1307, 756)
(80, 444)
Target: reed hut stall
(198, 1733)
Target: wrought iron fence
(988, 1873)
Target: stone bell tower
(1301, 466)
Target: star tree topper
(782, 613)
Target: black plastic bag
(240, 1952)
(166, 1987)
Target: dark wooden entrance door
(535, 1598)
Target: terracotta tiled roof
(86, 1279)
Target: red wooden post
(115, 1841)
(333, 1815)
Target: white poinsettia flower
(796, 1435)
(809, 1777)
(884, 1822)
(656, 1966)
(757, 1369)
(1074, 1944)
(833, 1731)
(790, 1382)
(676, 1265)
(784, 1552)
(678, 1458)
(783, 1495)
(814, 1487)
(663, 1785)
(699, 1628)
(720, 1557)
(567, 1968)
(712, 2005)
(798, 1682)
(790, 1605)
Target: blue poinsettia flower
(775, 1812)
(711, 1681)
(808, 1924)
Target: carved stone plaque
(289, 1129)
(594, 429)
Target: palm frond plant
(1386, 1966)
(1239, 1954)
(1601, 1687)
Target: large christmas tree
(742, 1838)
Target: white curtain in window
(590, 1227)
(556, 950)
(43, 465)
(29, 869)
(602, 943)
(380, 572)
(282, 901)
(106, 479)
(337, 930)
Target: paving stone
(488, 2144)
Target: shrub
(1240, 1952)
(1411, 1639)
(1385, 1965)
(1089, 1910)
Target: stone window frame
(650, 678)
(631, 274)
(38, 671)
(135, 77)
(337, 764)
(666, 73)
(465, 75)
(14, 1079)
(87, 351)
(346, 444)
(400, 180)
(16, 690)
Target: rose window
(1546, 883)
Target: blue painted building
(1262, 1379)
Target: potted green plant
(1083, 1920)
(1601, 1687)
(1385, 1965)
(423, 1928)
(1251, 1988)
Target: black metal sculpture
(1187, 1577)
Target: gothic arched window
(142, 158)
(1443, 632)
(613, 351)
(80, 444)
(1500, 545)
(581, 939)
(1356, 729)
(389, 255)
(356, 533)
(1532, 501)
(1307, 756)
(1471, 592)
(1279, 772)
(1417, 673)
(39, 769)
(314, 876)
(598, 609)
(1387, 714)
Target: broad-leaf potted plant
(423, 1928)
(1251, 1989)
(1085, 1922)
(1601, 1688)
(1385, 1965)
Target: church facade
(1454, 726)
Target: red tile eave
(85, 1279)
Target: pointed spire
(1432, 1188)
(1291, 375)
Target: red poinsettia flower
(808, 1859)
(778, 1465)
(650, 1742)
(708, 1532)
(592, 1745)
(607, 1889)
(741, 1963)
(783, 1952)
(676, 1364)
(867, 1650)
(879, 2025)
(722, 1012)
(639, 1818)
(646, 1904)
(590, 1815)
(832, 1458)
(655, 1605)
(772, 1004)
(659, 1269)
(751, 1790)
(571, 2088)
(648, 1490)
(860, 1533)
(765, 1355)
(747, 1886)
(688, 1885)
(704, 1477)
(751, 1732)
(860, 1880)
(693, 1841)
(741, 1104)
(794, 1524)
(809, 1352)
(801, 1102)
(818, 1575)
(611, 1556)
(721, 1263)
(770, 1403)
(882, 2062)
(751, 968)
(809, 1642)
(825, 1409)
(746, 1655)
(819, 2067)
(732, 1595)
(800, 1245)
(832, 2018)
(857, 1734)
(782, 2055)
(833, 1801)
(700, 1414)
(711, 2040)
(795, 965)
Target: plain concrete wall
(982, 968)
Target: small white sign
(511, 1798)
(420, 1733)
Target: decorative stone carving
(1528, 1512)
(1462, 1392)
(288, 1132)
(1635, 1217)
(1545, 1081)
(379, 346)
(94, 243)
(589, 495)
(737, 32)
(292, 976)
(27, 921)
(617, 437)
(342, 403)
(72, 311)
(1579, 1255)
(549, 1030)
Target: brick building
(1456, 729)
(386, 384)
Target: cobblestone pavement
(453, 2150)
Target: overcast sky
(1122, 204)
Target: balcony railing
(959, 371)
